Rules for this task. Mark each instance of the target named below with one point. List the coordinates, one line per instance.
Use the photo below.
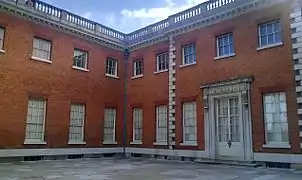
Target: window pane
(80, 59)
(35, 120)
(262, 30)
(275, 117)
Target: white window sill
(112, 76)
(41, 60)
(224, 56)
(109, 142)
(138, 76)
(185, 65)
(193, 143)
(2, 51)
(136, 142)
(277, 145)
(76, 142)
(160, 143)
(35, 142)
(270, 46)
(81, 69)
(162, 71)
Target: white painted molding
(2, 51)
(111, 76)
(55, 152)
(225, 56)
(138, 76)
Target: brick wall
(272, 69)
(21, 77)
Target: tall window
(275, 116)
(41, 49)
(138, 67)
(1, 38)
(80, 59)
(109, 125)
(35, 122)
(189, 122)
(189, 54)
(137, 125)
(269, 33)
(225, 45)
(76, 126)
(162, 61)
(111, 67)
(161, 123)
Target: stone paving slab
(136, 169)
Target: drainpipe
(126, 57)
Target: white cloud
(129, 20)
(138, 18)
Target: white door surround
(241, 148)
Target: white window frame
(161, 124)
(135, 64)
(162, 57)
(109, 68)
(37, 49)
(111, 111)
(275, 43)
(230, 44)
(75, 66)
(82, 125)
(275, 144)
(31, 105)
(2, 34)
(137, 116)
(193, 45)
(184, 123)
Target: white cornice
(43, 18)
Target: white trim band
(55, 152)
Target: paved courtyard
(139, 169)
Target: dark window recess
(297, 72)
(300, 127)
(299, 94)
(298, 83)
(300, 116)
(295, 51)
(294, 41)
(293, 30)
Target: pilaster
(172, 93)
(296, 27)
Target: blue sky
(125, 15)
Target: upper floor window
(189, 54)
(162, 62)
(111, 67)
(275, 117)
(41, 49)
(1, 38)
(80, 59)
(269, 33)
(138, 67)
(225, 45)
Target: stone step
(227, 162)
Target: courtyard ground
(136, 169)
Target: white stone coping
(111, 76)
(81, 69)
(270, 46)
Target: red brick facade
(59, 84)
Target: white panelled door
(228, 127)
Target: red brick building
(218, 81)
